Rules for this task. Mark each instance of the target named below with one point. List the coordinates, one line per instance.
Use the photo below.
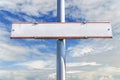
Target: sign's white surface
(61, 30)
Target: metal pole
(61, 65)
(61, 59)
(61, 10)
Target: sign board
(61, 30)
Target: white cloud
(29, 7)
(10, 53)
(92, 10)
(80, 51)
(109, 69)
(24, 74)
(103, 51)
(73, 72)
(34, 64)
(10, 50)
(38, 64)
(106, 78)
(96, 9)
(52, 76)
(105, 73)
(82, 64)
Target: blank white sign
(61, 30)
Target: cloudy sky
(87, 59)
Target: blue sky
(27, 59)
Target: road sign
(61, 30)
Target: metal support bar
(61, 65)
(61, 10)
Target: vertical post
(61, 10)
(61, 65)
(61, 59)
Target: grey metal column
(61, 59)
(61, 10)
(61, 65)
